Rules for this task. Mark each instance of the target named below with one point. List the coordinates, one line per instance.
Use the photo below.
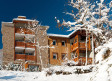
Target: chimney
(22, 17)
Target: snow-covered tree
(39, 33)
(95, 18)
(91, 16)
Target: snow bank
(68, 70)
(103, 70)
(39, 76)
(102, 50)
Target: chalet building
(20, 45)
(72, 47)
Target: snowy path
(39, 76)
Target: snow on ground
(102, 50)
(39, 76)
(103, 70)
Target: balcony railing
(80, 45)
(30, 57)
(20, 30)
(23, 44)
(28, 31)
(20, 44)
(74, 46)
(30, 45)
(20, 56)
(82, 60)
(24, 31)
(25, 57)
(83, 46)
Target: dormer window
(54, 42)
(63, 43)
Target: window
(29, 53)
(54, 55)
(19, 52)
(63, 56)
(54, 42)
(72, 43)
(63, 43)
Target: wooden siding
(19, 44)
(59, 49)
(80, 45)
(25, 57)
(30, 45)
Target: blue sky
(42, 10)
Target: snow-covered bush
(69, 63)
(67, 70)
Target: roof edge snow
(58, 35)
(19, 19)
(65, 36)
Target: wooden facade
(78, 47)
(62, 51)
(22, 43)
(76, 44)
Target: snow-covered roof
(58, 35)
(23, 19)
(65, 36)
(7, 22)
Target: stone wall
(8, 42)
(42, 50)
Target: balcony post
(86, 48)
(78, 46)
(92, 48)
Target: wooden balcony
(20, 44)
(28, 31)
(23, 31)
(20, 30)
(74, 46)
(20, 56)
(82, 60)
(25, 57)
(30, 57)
(30, 45)
(83, 46)
(80, 45)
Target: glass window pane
(54, 42)
(54, 56)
